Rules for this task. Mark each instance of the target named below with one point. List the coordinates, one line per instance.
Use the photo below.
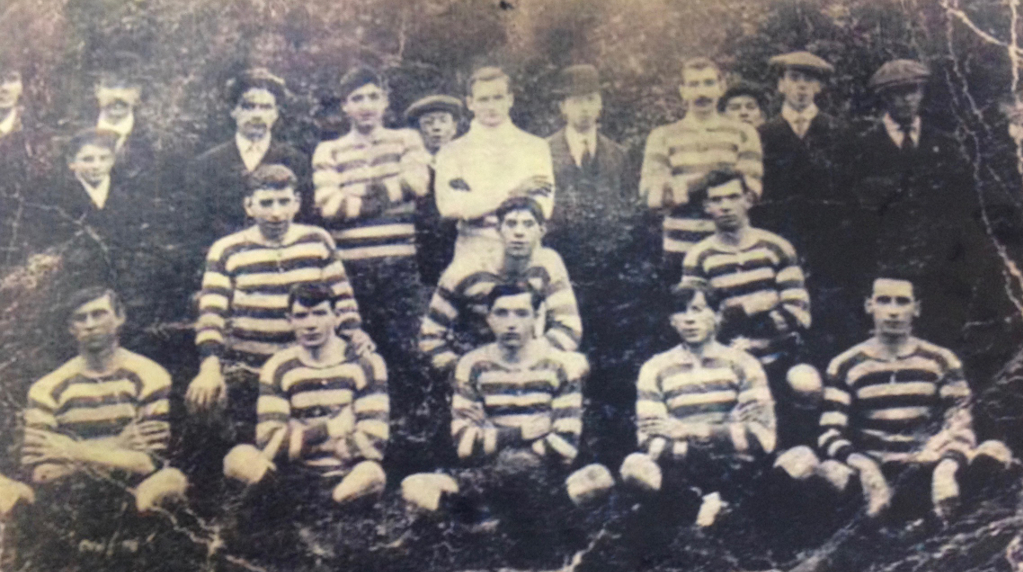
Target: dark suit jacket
(138, 154)
(218, 180)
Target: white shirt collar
(7, 125)
(123, 128)
(577, 142)
(252, 152)
(895, 130)
(99, 193)
(792, 116)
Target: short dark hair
(357, 78)
(276, 177)
(521, 204)
(683, 293)
(256, 78)
(82, 297)
(747, 89)
(514, 289)
(311, 294)
(91, 136)
(487, 73)
(895, 275)
(699, 63)
(713, 179)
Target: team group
(309, 367)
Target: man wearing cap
(492, 162)
(437, 117)
(744, 102)
(218, 175)
(922, 212)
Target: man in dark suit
(118, 92)
(218, 175)
(16, 151)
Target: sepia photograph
(511, 285)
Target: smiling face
(799, 88)
(696, 324)
(521, 233)
(728, 205)
(365, 107)
(491, 101)
(701, 89)
(512, 319)
(893, 306)
(437, 128)
(582, 111)
(255, 113)
(95, 324)
(746, 109)
(92, 163)
(313, 326)
(273, 210)
(10, 88)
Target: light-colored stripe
(376, 403)
(523, 401)
(321, 398)
(345, 370)
(105, 413)
(920, 388)
(707, 398)
(832, 418)
(375, 231)
(735, 279)
(566, 401)
(381, 251)
(261, 279)
(898, 413)
(837, 396)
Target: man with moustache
(118, 92)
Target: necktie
(907, 139)
(586, 158)
(801, 126)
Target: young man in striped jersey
(704, 410)
(243, 303)
(456, 319)
(765, 308)
(323, 410)
(897, 412)
(95, 427)
(679, 154)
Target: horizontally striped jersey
(456, 319)
(494, 400)
(84, 405)
(679, 154)
(327, 417)
(753, 279)
(894, 408)
(366, 186)
(243, 304)
(723, 388)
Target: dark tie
(907, 139)
(585, 162)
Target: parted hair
(514, 289)
(276, 177)
(311, 294)
(82, 297)
(683, 293)
(713, 179)
(91, 136)
(521, 204)
(487, 73)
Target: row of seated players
(890, 402)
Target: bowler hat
(433, 103)
(899, 72)
(802, 61)
(581, 79)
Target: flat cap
(750, 89)
(581, 79)
(431, 103)
(803, 61)
(899, 72)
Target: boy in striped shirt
(765, 308)
(679, 154)
(456, 319)
(704, 410)
(243, 301)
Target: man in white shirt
(493, 161)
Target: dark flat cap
(256, 78)
(750, 89)
(803, 61)
(581, 79)
(356, 78)
(899, 72)
(431, 103)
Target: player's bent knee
(640, 470)
(994, 452)
(837, 475)
(799, 463)
(159, 488)
(589, 484)
(805, 382)
(245, 463)
(423, 491)
(366, 480)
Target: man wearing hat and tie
(437, 117)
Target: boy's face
(10, 88)
(701, 89)
(92, 163)
(512, 318)
(365, 106)
(746, 109)
(893, 307)
(582, 111)
(521, 233)
(491, 102)
(95, 324)
(313, 326)
(115, 104)
(728, 205)
(697, 323)
(273, 210)
(799, 88)
(255, 113)
(438, 128)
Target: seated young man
(96, 431)
(323, 417)
(765, 308)
(704, 410)
(243, 305)
(896, 413)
